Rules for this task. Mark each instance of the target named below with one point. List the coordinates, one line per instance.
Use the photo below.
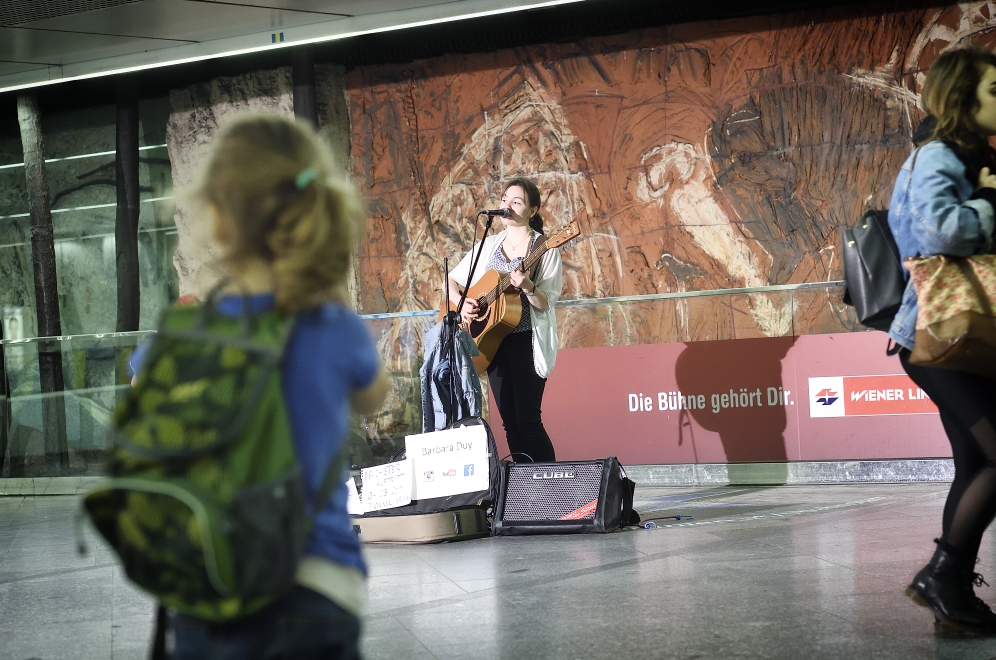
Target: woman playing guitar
(517, 374)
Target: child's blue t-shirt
(328, 355)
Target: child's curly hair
(271, 178)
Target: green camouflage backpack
(206, 505)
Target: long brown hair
(271, 178)
(532, 196)
(950, 94)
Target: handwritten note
(387, 486)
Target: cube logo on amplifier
(569, 474)
(565, 497)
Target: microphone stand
(451, 322)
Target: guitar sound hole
(480, 324)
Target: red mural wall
(697, 156)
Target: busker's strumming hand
(470, 310)
(986, 179)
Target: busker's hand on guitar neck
(535, 297)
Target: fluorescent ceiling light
(86, 208)
(93, 155)
(155, 230)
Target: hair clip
(306, 176)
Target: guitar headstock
(564, 235)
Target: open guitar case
(452, 518)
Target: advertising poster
(808, 398)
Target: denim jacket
(435, 373)
(935, 210)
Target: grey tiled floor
(787, 572)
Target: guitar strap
(539, 242)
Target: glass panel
(95, 372)
(667, 320)
(17, 292)
(400, 341)
(81, 173)
(62, 433)
(822, 311)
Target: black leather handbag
(873, 274)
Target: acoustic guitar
(500, 310)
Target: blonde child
(286, 230)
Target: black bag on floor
(451, 518)
(873, 274)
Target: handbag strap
(973, 279)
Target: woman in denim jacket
(943, 203)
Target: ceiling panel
(42, 47)
(15, 12)
(181, 19)
(368, 7)
(318, 6)
(148, 34)
(346, 7)
(8, 68)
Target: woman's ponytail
(536, 222)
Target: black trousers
(518, 391)
(967, 403)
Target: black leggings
(967, 403)
(519, 394)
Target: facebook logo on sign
(468, 470)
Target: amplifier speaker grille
(16, 12)
(550, 492)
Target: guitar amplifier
(574, 497)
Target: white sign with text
(386, 486)
(449, 462)
(354, 506)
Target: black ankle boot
(945, 586)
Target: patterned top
(500, 263)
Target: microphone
(501, 213)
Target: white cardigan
(550, 280)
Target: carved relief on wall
(695, 157)
(197, 112)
